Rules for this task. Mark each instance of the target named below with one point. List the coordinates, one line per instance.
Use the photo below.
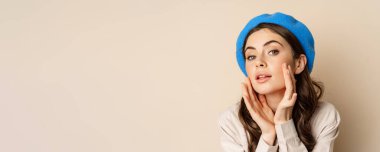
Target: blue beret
(298, 29)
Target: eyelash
(274, 51)
(271, 52)
(248, 57)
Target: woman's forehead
(261, 38)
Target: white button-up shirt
(324, 123)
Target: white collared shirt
(324, 122)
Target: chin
(267, 89)
(263, 90)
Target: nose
(260, 62)
(260, 65)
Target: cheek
(277, 72)
(250, 70)
(277, 64)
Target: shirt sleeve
(326, 131)
(288, 139)
(262, 146)
(229, 136)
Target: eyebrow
(267, 43)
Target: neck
(273, 99)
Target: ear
(300, 64)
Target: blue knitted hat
(298, 29)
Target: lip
(261, 78)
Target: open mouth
(261, 78)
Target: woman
(280, 108)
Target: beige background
(139, 76)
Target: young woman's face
(265, 53)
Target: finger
(252, 94)
(293, 99)
(246, 98)
(248, 105)
(288, 81)
(262, 100)
(244, 89)
(293, 78)
(267, 110)
(265, 103)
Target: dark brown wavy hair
(308, 94)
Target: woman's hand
(285, 107)
(260, 112)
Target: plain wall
(139, 76)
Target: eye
(273, 52)
(251, 57)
